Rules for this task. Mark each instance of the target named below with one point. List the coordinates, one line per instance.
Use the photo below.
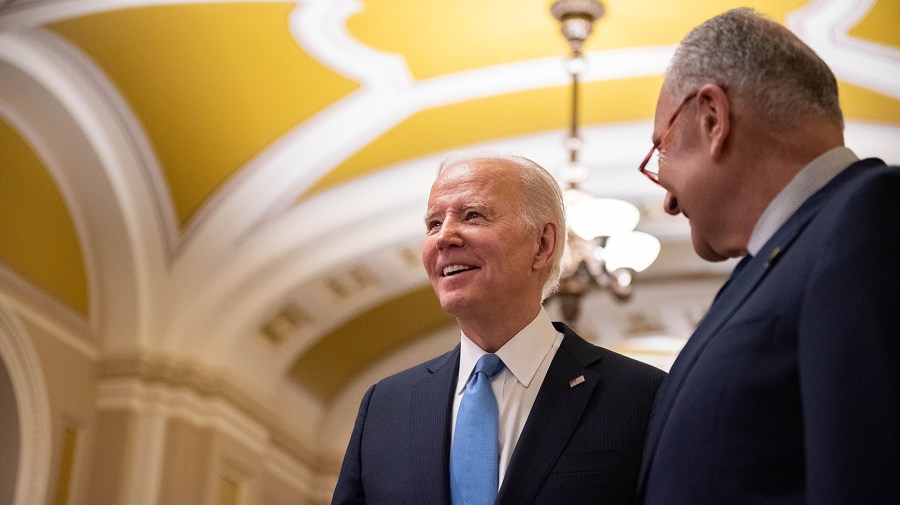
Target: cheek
(427, 254)
(709, 224)
(698, 191)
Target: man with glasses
(789, 389)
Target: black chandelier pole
(603, 249)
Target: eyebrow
(479, 205)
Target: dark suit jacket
(580, 444)
(789, 390)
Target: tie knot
(490, 364)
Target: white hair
(542, 202)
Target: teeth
(455, 268)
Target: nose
(449, 235)
(671, 204)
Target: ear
(715, 116)
(543, 258)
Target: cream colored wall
(112, 458)
(155, 438)
(187, 454)
(71, 384)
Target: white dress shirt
(527, 357)
(810, 179)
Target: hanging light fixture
(604, 251)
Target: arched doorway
(25, 428)
(9, 437)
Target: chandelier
(604, 251)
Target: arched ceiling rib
(211, 84)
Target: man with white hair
(523, 410)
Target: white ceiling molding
(74, 131)
(33, 13)
(825, 26)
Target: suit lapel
(554, 416)
(431, 405)
(728, 300)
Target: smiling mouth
(456, 269)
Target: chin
(706, 252)
(460, 306)
(450, 304)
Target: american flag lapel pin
(576, 381)
(772, 257)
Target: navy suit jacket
(789, 389)
(580, 444)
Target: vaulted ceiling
(239, 185)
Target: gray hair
(760, 62)
(542, 202)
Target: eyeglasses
(652, 162)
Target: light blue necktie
(474, 458)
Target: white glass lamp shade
(576, 65)
(636, 250)
(590, 218)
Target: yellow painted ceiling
(215, 84)
(38, 238)
(212, 84)
(438, 38)
(880, 25)
(863, 104)
(443, 128)
(465, 123)
(449, 39)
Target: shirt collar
(522, 354)
(810, 179)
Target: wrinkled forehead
(488, 177)
(479, 168)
